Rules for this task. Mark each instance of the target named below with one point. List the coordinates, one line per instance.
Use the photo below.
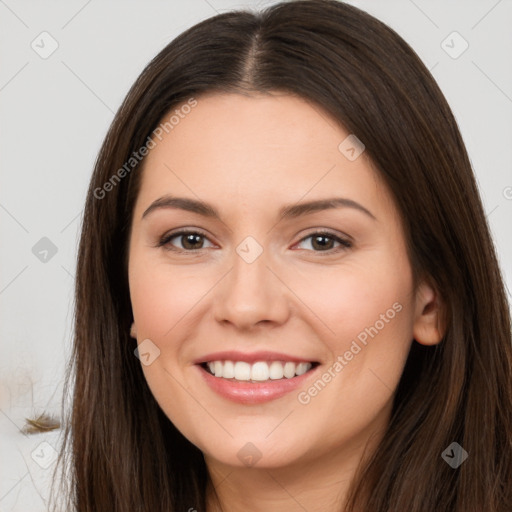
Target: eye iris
(191, 240)
(322, 242)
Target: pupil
(191, 240)
(322, 241)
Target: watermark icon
(351, 147)
(454, 455)
(44, 250)
(507, 193)
(147, 352)
(249, 454)
(44, 454)
(44, 45)
(249, 249)
(454, 45)
(304, 397)
(137, 156)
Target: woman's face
(265, 279)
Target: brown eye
(192, 241)
(187, 241)
(323, 242)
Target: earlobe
(133, 331)
(428, 326)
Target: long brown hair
(120, 450)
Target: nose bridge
(251, 293)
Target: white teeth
(276, 370)
(242, 371)
(302, 368)
(259, 371)
(228, 370)
(289, 370)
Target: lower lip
(254, 392)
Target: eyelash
(165, 241)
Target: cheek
(353, 299)
(363, 314)
(372, 324)
(368, 314)
(161, 296)
(162, 303)
(372, 316)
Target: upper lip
(253, 357)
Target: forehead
(237, 146)
(233, 124)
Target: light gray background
(56, 111)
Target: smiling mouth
(260, 371)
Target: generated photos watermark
(357, 345)
(137, 156)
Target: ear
(133, 331)
(429, 325)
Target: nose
(251, 295)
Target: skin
(248, 156)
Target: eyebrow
(287, 212)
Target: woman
(220, 361)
